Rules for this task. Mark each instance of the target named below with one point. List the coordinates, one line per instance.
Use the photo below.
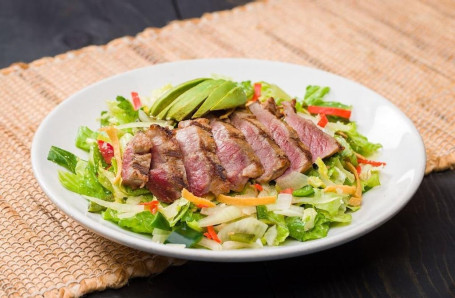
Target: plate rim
(246, 255)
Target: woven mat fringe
(384, 46)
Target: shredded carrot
(196, 200)
(251, 201)
(287, 190)
(356, 200)
(213, 234)
(258, 187)
(344, 188)
(112, 134)
(152, 206)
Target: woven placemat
(401, 49)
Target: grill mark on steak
(136, 161)
(270, 155)
(284, 135)
(167, 175)
(203, 168)
(320, 144)
(235, 154)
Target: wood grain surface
(412, 255)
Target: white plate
(377, 118)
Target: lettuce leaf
(143, 222)
(330, 202)
(63, 158)
(371, 182)
(297, 230)
(83, 181)
(360, 143)
(120, 111)
(85, 137)
(271, 90)
(269, 217)
(314, 97)
(247, 88)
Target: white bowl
(377, 118)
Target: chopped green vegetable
(297, 229)
(63, 158)
(184, 235)
(305, 191)
(143, 222)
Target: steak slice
(320, 144)
(136, 161)
(271, 156)
(167, 176)
(284, 135)
(235, 154)
(203, 168)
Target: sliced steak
(271, 156)
(283, 135)
(235, 154)
(167, 176)
(136, 161)
(204, 171)
(320, 144)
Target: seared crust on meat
(235, 154)
(136, 161)
(284, 135)
(270, 155)
(204, 171)
(320, 144)
(167, 176)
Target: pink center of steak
(235, 154)
(272, 158)
(285, 137)
(203, 169)
(320, 144)
(167, 176)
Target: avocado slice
(188, 102)
(214, 98)
(167, 98)
(234, 98)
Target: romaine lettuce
(63, 158)
(85, 138)
(297, 229)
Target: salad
(288, 195)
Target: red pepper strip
(207, 235)
(323, 121)
(200, 206)
(330, 111)
(136, 100)
(106, 150)
(152, 206)
(257, 91)
(358, 169)
(213, 234)
(371, 162)
(258, 187)
(287, 190)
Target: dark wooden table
(412, 255)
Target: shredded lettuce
(120, 111)
(269, 217)
(297, 229)
(371, 182)
(327, 201)
(247, 88)
(175, 211)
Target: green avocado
(234, 98)
(214, 98)
(188, 102)
(168, 98)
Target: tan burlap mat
(404, 50)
